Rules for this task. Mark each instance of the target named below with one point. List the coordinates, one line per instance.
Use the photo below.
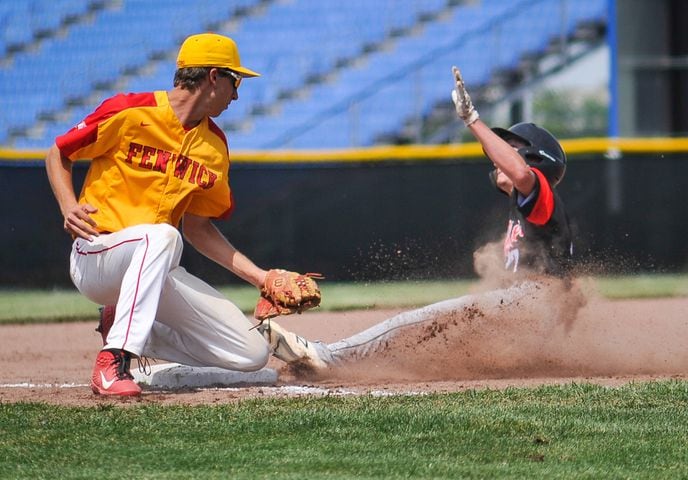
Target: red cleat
(107, 318)
(111, 375)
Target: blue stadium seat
(289, 42)
(17, 26)
(488, 37)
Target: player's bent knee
(246, 360)
(169, 240)
(167, 234)
(259, 359)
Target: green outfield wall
(405, 212)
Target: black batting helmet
(542, 150)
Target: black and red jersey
(538, 237)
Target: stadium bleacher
(333, 76)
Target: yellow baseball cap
(212, 50)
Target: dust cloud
(543, 328)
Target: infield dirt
(590, 340)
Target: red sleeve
(227, 213)
(86, 132)
(544, 205)
(212, 126)
(221, 135)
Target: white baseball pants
(163, 311)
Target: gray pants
(378, 338)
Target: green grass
(574, 431)
(25, 306)
(643, 286)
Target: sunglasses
(230, 74)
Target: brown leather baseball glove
(286, 292)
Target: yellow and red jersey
(145, 167)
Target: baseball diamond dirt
(591, 340)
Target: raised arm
(504, 155)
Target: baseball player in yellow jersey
(159, 161)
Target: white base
(174, 375)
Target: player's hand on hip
(462, 101)
(78, 221)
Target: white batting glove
(462, 101)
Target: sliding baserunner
(528, 164)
